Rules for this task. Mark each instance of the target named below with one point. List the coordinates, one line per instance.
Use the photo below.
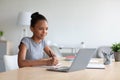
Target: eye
(47, 28)
(40, 28)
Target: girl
(31, 48)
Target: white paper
(95, 66)
(56, 66)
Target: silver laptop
(79, 63)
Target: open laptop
(79, 63)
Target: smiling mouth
(43, 35)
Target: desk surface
(112, 72)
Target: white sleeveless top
(34, 50)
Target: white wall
(96, 22)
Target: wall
(96, 22)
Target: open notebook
(95, 66)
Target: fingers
(52, 61)
(49, 62)
(55, 61)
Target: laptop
(79, 63)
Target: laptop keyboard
(61, 69)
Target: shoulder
(26, 39)
(44, 42)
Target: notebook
(95, 66)
(79, 63)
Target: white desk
(112, 72)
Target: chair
(10, 62)
(102, 49)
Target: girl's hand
(52, 61)
(55, 61)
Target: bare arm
(51, 53)
(22, 62)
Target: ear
(31, 28)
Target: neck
(37, 40)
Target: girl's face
(40, 29)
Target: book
(69, 58)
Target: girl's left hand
(54, 61)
